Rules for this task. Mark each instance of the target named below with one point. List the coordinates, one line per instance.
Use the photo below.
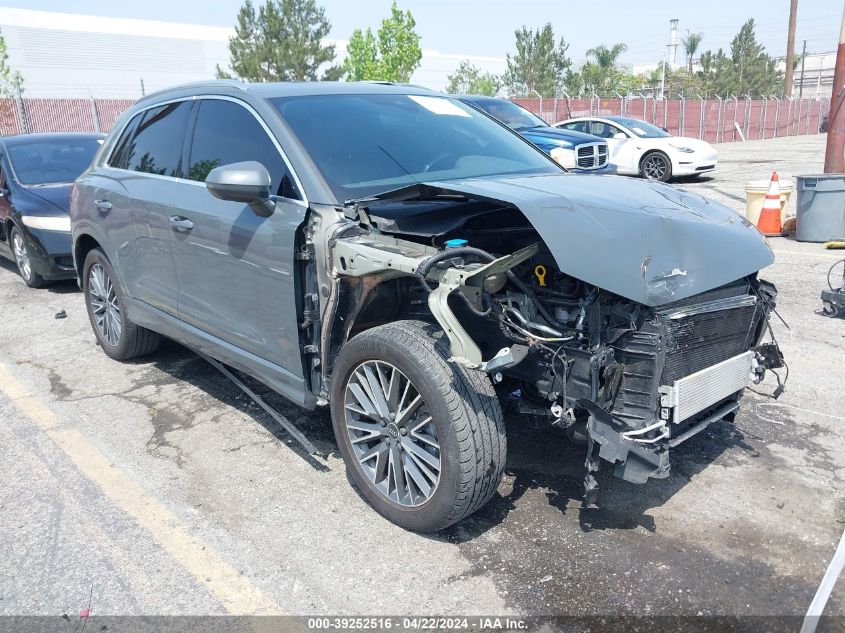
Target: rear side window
(227, 133)
(156, 146)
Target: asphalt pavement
(155, 487)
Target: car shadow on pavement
(544, 460)
(182, 364)
(57, 287)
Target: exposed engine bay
(632, 379)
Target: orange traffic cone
(769, 222)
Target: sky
(485, 27)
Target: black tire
(648, 173)
(32, 278)
(464, 410)
(133, 340)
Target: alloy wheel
(21, 256)
(392, 433)
(103, 300)
(654, 167)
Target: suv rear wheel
(117, 335)
(423, 439)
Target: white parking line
(834, 569)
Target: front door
(620, 149)
(235, 268)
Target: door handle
(180, 223)
(103, 205)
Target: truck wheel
(117, 335)
(423, 439)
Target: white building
(72, 55)
(817, 80)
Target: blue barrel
(820, 208)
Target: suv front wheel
(117, 335)
(423, 439)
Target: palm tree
(606, 57)
(601, 75)
(691, 43)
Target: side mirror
(665, 130)
(620, 135)
(247, 182)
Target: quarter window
(120, 154)
(228, 133)
(156, 147)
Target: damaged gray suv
(411, 263)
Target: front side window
(225, 133)
(644, 129)
(603, 130)
(156, 147)
(47, 162)
(364, 144)
(575, 126)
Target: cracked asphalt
(155, 487)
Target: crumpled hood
(643, 240)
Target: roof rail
(233, 83)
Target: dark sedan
(36, 174)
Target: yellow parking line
(234, 591)
(833, 254)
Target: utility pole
(834, 157)
(790, 48)
(803, 57)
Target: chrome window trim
(199, 97)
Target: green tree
(600, 74)
(469, 79)
(691, 43)
(11, 81)
(283, 41)
(744, 70)
(539, 64)
(393, 55)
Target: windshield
(643, 129)
(514, 116)
(368, 144)
(50, 162)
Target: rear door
(235, 268)
(136, 194)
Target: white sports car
(640, 148)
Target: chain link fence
(712, 120)
(27, 115)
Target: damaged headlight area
(634, 379)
